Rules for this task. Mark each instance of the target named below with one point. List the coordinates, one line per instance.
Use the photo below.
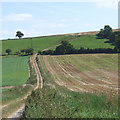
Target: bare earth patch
(7, 87)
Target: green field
(39, 43)
(14, 71)
(91, 42)
(42, 43)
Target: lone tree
(8, 51)
(19, 34)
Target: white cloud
(17, 17)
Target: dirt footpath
(18, 113)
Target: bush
(8, 51)
(39, 52)
(17, 53)
(64, 48)
(29, 51)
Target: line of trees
(28, 51)
(106, 33)
(67, 48)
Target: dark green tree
(39, 52)
(19, 34)
(8, 51)
(117, 42)
(105, 33)
(22, 51)
(64, 48)
(29, 51)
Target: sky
(49, 18)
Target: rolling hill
(84, 39)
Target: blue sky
(46, 18)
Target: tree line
(67, 48)
(23, 52)
(106, 33)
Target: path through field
(18, 113)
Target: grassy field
(14, 71)
(51, 42)
(13, 98)
(91, 42)
(80, 86)
(39, 43)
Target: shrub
(8, 51)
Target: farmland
(39, 43)
(13, 98)
(14, 71)
(85, 73)
(42, 43)
(76, 86)
(80, 86)
(91, 42)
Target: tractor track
(18, 113)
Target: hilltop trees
(19, 34)
(105, 33)
(114, 37)
(8, 51)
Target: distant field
(37, 43)
(14, 71)
(85, 73)
(91, 42)
(51, 42)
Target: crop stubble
(85, 73)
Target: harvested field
(92, 73)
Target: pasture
(14, 71)
(91, 41)
(38, 43)
(42, 43)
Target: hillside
(38, 43)
(84, 39)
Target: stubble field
(93, 73)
